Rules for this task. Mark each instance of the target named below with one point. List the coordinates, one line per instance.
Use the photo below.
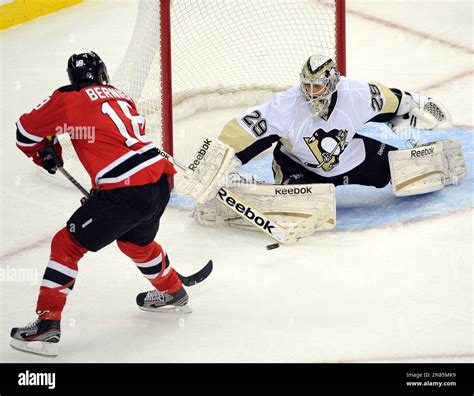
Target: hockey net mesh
(224, 53)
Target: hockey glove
(425, 113)
(50, 157)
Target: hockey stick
(198, 276)
(76, 184)
(187, 280)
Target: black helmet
(86, 69)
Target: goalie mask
(318, 80)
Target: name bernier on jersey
(96, 93)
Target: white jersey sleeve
(257, 128)
(372, 101)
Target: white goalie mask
(318, 80)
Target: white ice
(399, 293)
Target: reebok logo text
(246, 211)
(200, 155)
(293, 191)
(164, 155)
(422, 152)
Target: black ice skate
(156, 301)
(40, 337)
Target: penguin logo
(327, 147)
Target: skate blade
(169, 309)
(36, 347)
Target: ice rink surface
(393, 282)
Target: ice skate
(40, 337)
(163, 302)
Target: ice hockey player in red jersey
(130, 193)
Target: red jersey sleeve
(105, 130)
(32, 128)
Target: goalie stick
(255, 217)
(190, 280)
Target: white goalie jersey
(326, 146)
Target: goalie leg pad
(417, 171)
(456, 166)
(426, 168)
(306, 207)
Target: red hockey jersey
(106, 131)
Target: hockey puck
(273, 246)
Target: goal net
(190, 55)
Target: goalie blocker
(212, 167)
